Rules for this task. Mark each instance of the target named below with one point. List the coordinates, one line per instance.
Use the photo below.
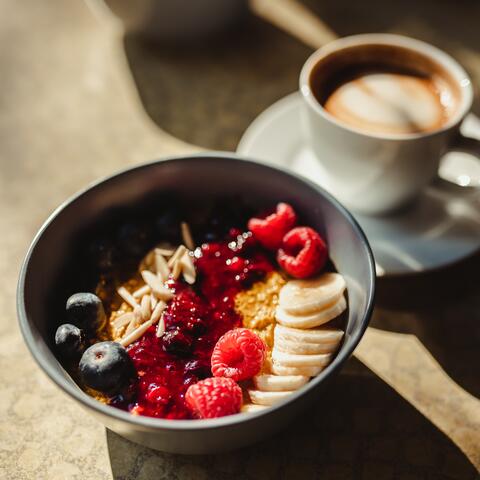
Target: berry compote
(195, 319)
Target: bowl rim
(187, 425)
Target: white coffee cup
(375, 173)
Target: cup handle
(460, 143)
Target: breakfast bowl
(56, 265)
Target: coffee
(401, 95)
(395, 106)
(386, 102)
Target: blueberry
(103, 254)
(70, 341)
(107, 367)
(176, 343)
(229, 212)
(85, 310)
(133, 239)
(167, 225)
(126, 396)
(209, 237)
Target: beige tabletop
(77, 101)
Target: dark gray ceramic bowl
(201, 175)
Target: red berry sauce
(194, 320)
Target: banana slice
(312, 320)
(267, 398)
(314, 335)
(307, 371)
(304, 348)
(302, 297)
(294, 360)
(275, 383)
(252, 408)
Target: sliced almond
(187, 236)
(123, 320)
(147, 261)
(176, 270)
(153, 301)
(177, 255)
(146, 307)
(165, 294)
(155, 284)
(131, 327)
(136, 334)
(160, 326)
(134, 322)
(166, 252)
(151, 280)
(127, 296)
(141, 291)
(157, 312)
(188, 269)
(137, 312)
(161, 265)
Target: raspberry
(238, 354)
(303, 252)
(158, 394)
(214, 397)
(270, 231)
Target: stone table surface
(77, 102)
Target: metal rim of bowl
(185, 425)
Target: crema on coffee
(367, 90)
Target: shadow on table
(442, 309)
(362, 429)
(209, 92)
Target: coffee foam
(390, 103)
(385, 89)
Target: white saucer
(436, 231)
